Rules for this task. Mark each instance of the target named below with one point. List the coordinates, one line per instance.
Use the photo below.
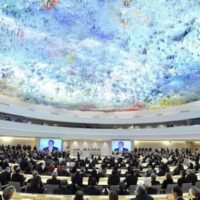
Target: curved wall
(28, 130)
(183, 112)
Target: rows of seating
(103, 181)
(143, 164)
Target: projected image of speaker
(121, 145)
(50, 144)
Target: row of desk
(24, 196)
(104, 180)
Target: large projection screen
(121, 145)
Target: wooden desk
(103, 180)
(24, 196)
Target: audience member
(64, 188)
(18, 177)
(8, 193)
(90, 189)
(122, 189)
(35, 174)
(149, 188)
(62, 171)
(54, 180)
(114, 178)
(79, 195)
(153, 180)
(182, 179)
(141, 193)
(93, 175)
(177, 193)
(77, 179)
(178, 169)
(5, 176)
(131, 178)
(35, 186)
(113, 195)
(194, 191)
(168, 180)
(191, 176)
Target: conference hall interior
(99, 100)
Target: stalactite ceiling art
(105, 55)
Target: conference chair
(99, 187)
(132, 189)
(114, 188)
(159, 188)
(169, 188)
(17, 186)
(50, 188)
(197, 184)
(186, 186)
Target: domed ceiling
(103, 55)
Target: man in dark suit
(114, 178)
(191, 177)
(141, 194)
(182, 179)
(91, 190)
(153, 180)
(121, 147)
(54, 180)
(149, 188)
(35, 174)
(18, 177)
(50, 147)
(77, 179)
(131, 179)
(177, 193)
(64, 189)
(5, 176)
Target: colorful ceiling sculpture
(102, 55)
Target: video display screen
(49, 144)
(121, 145)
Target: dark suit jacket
(113, 180)
(66, 191)
(53, 181)
(77, 179)
(192, 178)
(166, 182)
(152, 190)
(123, 192)
(155, 182)
(90, 190)
(18, 178)
(124, 149)
(143, 197)
(41, 184)
(182, 180)
(91, 177)
(63, 173)
(180, 198)
(131, 180)
(34, 190)
(5, 177)
(47, 149)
